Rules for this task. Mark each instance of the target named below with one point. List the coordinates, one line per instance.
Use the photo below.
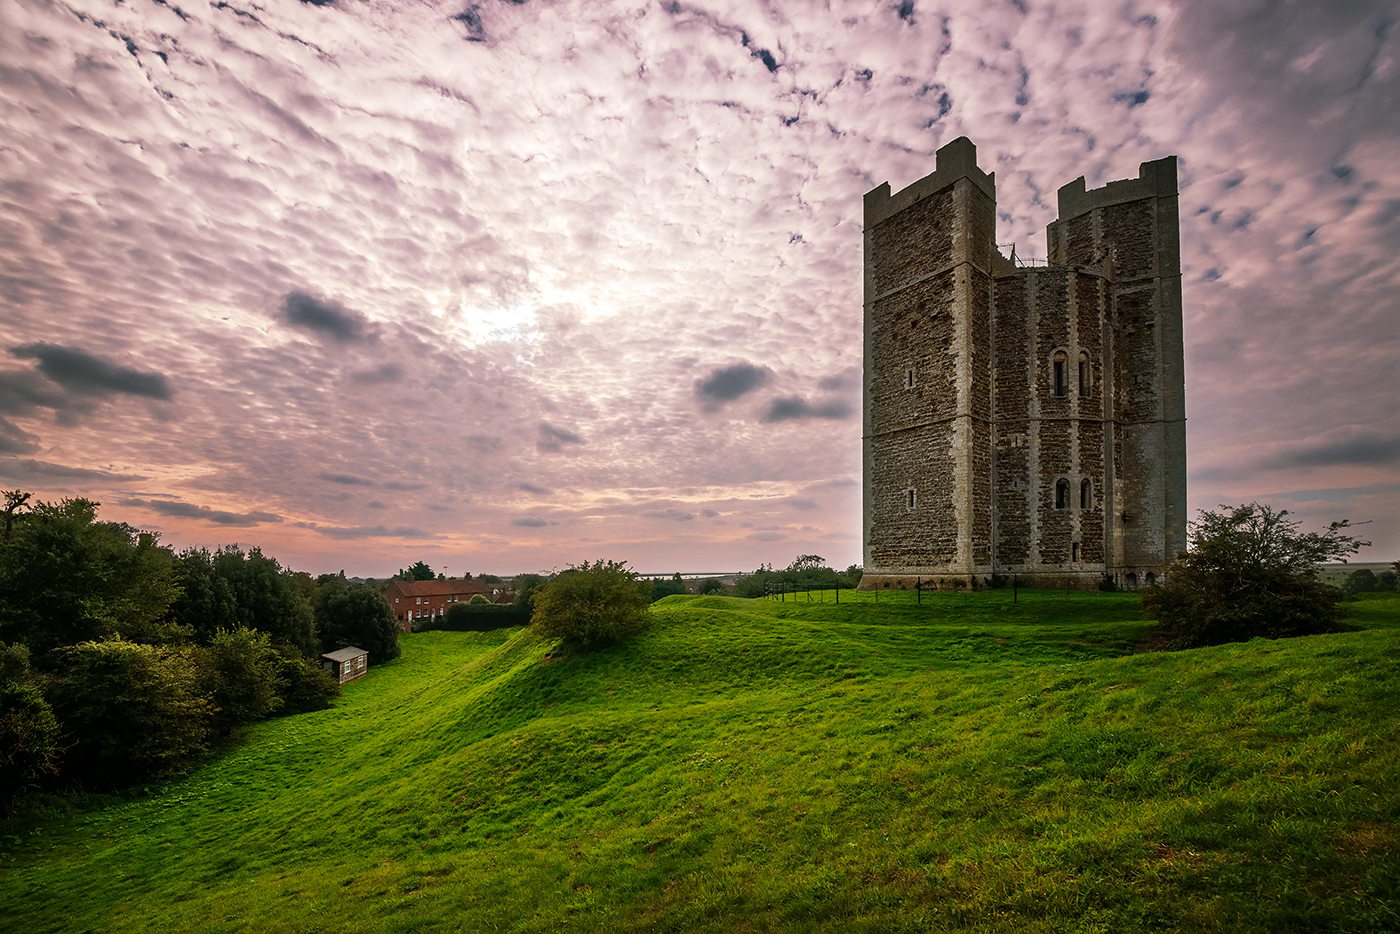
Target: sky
(505, 286)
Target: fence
(1009, 580)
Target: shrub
(239, 671)
(525, 587)
(1250, 572)
(595, 602)
(480, 599)
(1362, 580)
(131, 711)
(476, 617)
(28, 730)
(304, 685)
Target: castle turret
(1022, 419)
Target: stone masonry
(1025, 419)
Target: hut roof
(345, 654)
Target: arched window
(1086, 376)
(1059, 377)
(1151, 579)
(1062, 493)
(1132, 580)
(1086, 494)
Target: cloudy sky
(507, 285)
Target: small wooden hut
(346, 664)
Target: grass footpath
(967, 764)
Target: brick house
(412, 600)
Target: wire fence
(1007, 581)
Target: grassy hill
(753, 765)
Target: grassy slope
(758, 765)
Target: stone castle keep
(1025, 419)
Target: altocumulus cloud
(728, 383)
(321, 317)
(553, 439)
(30, 470)
(181, 510)
(793, 408)
(81, 372)
(1342, 447)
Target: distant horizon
(552, 282)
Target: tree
(268, 599)
(206, 603)
(1250, 572)
(665, 587)
(130, 712)
(354, 614)
(525, 587)
(239, 671)
(1362, 580)
(420, 571)
(591, 603)
(15, 502)
(66, 577)
(29, 732)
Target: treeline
(122, 660)
(805, 571)
(1365, 580)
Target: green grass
(751, 765)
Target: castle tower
(1022, 419)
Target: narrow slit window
(1074, 551)
(1086, 377)
(909, 378)
(910, 500)
(1059, 378)
(1062, 493)
(1086, 494)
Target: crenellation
(1042, 429)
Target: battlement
(1156, 179)
(1022, 415)
(954, 161)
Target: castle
(1023, 419)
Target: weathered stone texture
(960, 401)
(913, 242)
(912, 332)
(926, 535)
(1128, 234)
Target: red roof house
(412, 600)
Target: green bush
(239, 671)
(595, 602)
(130, 711)
(304, 685)
(1250, 573)
(477, 617)
(28, 730)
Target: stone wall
(966, 438)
